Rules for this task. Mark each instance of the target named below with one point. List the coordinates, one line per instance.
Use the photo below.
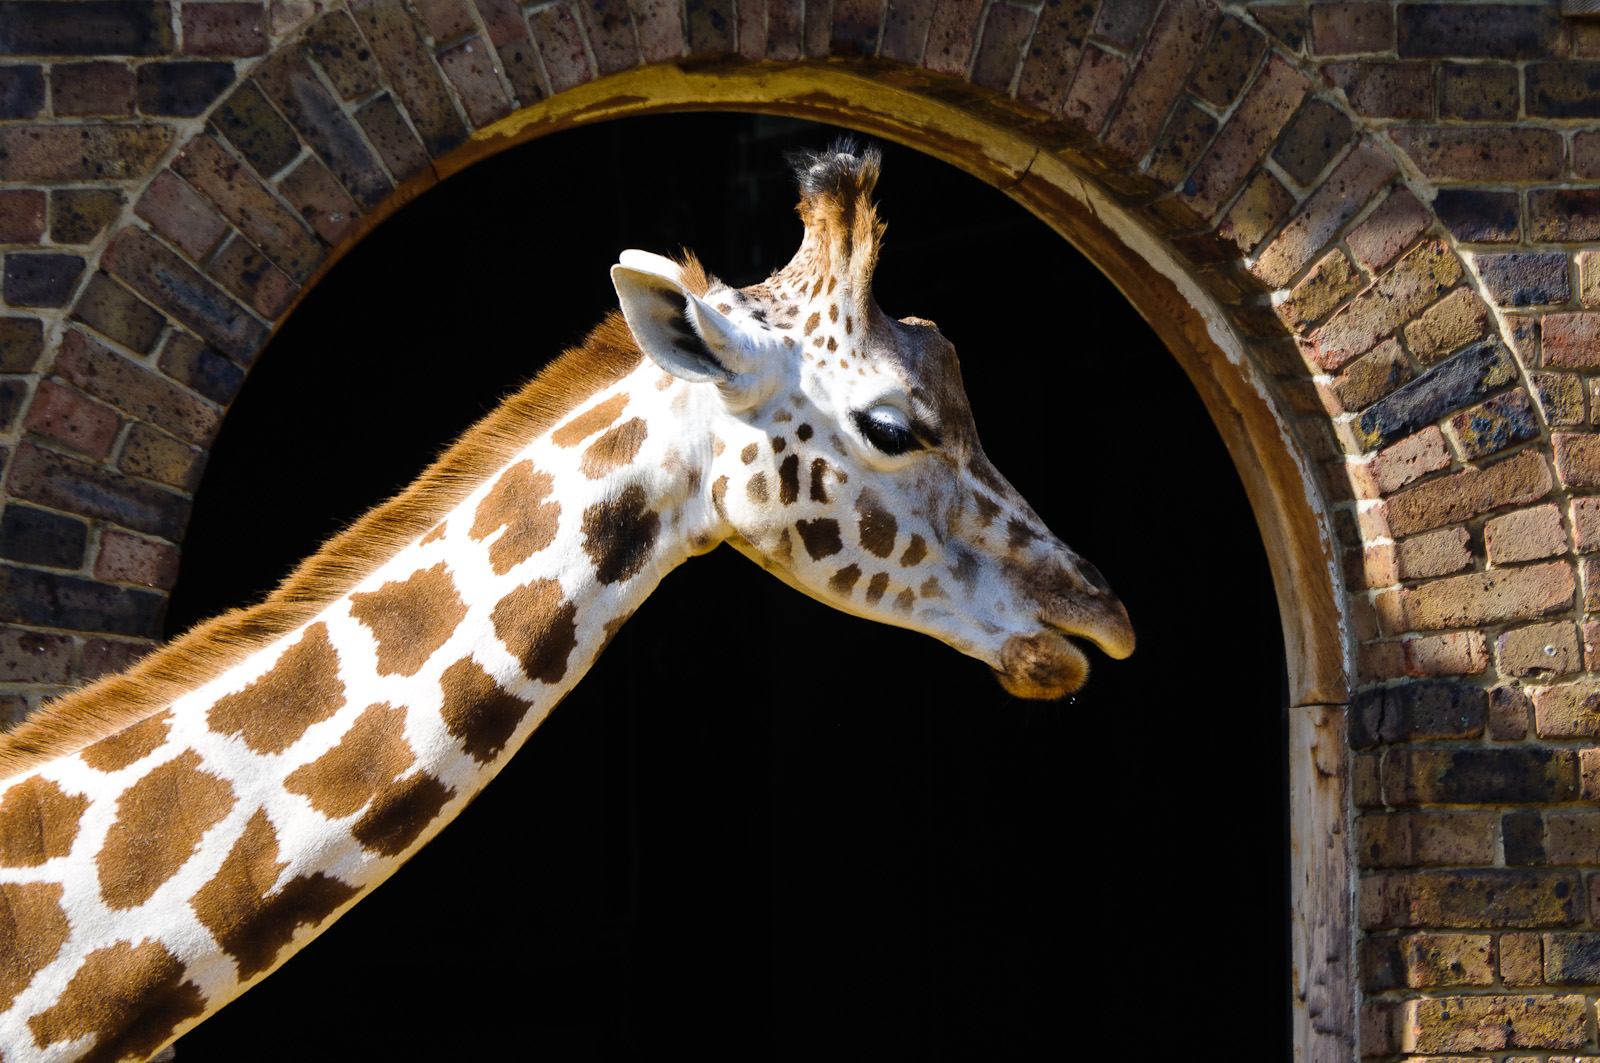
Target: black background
(760, 828)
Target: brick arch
(1361, 250)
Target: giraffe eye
(888, 429)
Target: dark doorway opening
(821, 832)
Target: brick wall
(1396, 205)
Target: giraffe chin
(1041, 666)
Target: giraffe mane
(606, 356)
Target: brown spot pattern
(436, 533)
(812, 322)
(369, 757)
(903, 600)
(38, 821)
(410, 618)
(965, 571)
(778, 444)
(132, 997)
(876, 586)
(1018, 534)
(32, 930)
(477, 711)
(160, 820)
(134, 742)
(614, 450)
(748, 454)
(756, 489)
(844, 581)
(876, 526)
(849, 324)
(303, 688)
(821, 537)
(819, 469)
(619, 534)
(988, 509)
(930, 588)
(833, 311)
(789, 480)
(719, 491)
(251, 926)
(539, 627)
(401, 813)
(589, 422)
(517, 503)
(784, 551)
(916, 550)
(803, 433)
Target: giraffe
(171, 836)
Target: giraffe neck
(155, 874)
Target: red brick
(1047, 69)
(1486, 31)
(1589, 776)
(73, 486)
(1526, 535)
(224, 29)
(1493, 1023)
(1094, 89)
(1479, 91)
(68, 418)
(1564, 214)
(97, 89)
(1517, 480)
(1478, 598)
(660, 26)
(243, 200)
(320, 200)
(609, 26)
(1521, 959)
(386, 127)
(1481, 153)
(560, 42)
(1573, 837)
(22, 215)
(1577, 458)
(1243, 141)
(470, 68)
(34, 657)
(337, 46)
(1347, 190)
(1378, 662)
(135, 390)
(1342, 29)
(1454, 653)
(1387, 231)
(109, 656)
(1228, 61)
(1509, 711)
(1124, 23)
(1539, 651)
(1585, 516)
(502, 20)
(129, 559)
(445, 19)
(83, 151)
(413, 76)
(1590, 634)
(1571, 340)
(179, 213)
(785, 29)
(1590, 568)
(1175, 43)
(1434, 554)
(1568, 711)
(1377, 89)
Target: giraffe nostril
(1093, 576)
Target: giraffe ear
(681, 333)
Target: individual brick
(1287, 22)
(135, 390)
(173, 286)
(1589, 278)
(1571, 340)
(1526, 535)
(1388, 230)
(151, 454)
(1528, 278)
(1477, 371)
(1479, 217)
(338, 47)
(1585, 516)
(1488, 31)
(1450, 654)
(199, 368)
(1377, 662)
(1434, 554)
(1181, 144)
(82, 151)
(1425, 839)
(34, 656)
(1315, 136)
(287, 80)
(1539, 651)
(1492, 426)
(470, 68)
(412, 75)
(1494, 1023)
(519, 62)
(856, 26)
(386, 127)
(1175, 42)
(224, 29)
(96, 89)
(80, 215)
(1435, 960)
(1372, 376)
(1497, 775)
(251, 276)
(1481, 153)
(1570, 711)
(1256, 212)
(67, 418)
(1348, 189)
(127, 558)
(1572, 958)
(1521, 959)
(21, 344)
(180, 90)
(1448, 325)
(1558, 215)
(22, 215)
(1586, 153)
(566, 60)
(256, 130)
(1324, 289)
(36, 598)
(1377, 89)
(1410, 459)
(1387, 715)
(1379, 964)
(1477, 598)
(1475, 899)
(75, 486)
(1343, 29)
(1255, 123)
(320, 200)
(1047, 69)
(246, 203)
(21, 91)
(1573, 838)
(37, 537)
(40, 278)
(710, 26)
(1479, 91)
(1095, 86)
(1510, 709)
(178, 212)
(86, 27)
(1124, 24)
(608, 25)
(1227, 61)
(1565, 89)
(445, 19)
(118, 314)
(1577, 458)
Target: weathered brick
(856, 25)
(1577, 457)
(1379, 1027)
(338, 47)
(1448, 325)
(1556, 215)
(22, 215)
(1481, 153)
(1478, 598)
(1563, 89)
(710, 26)
(445, 19)
(1415, 711)
(1492, 1023)
(1571, 340)
(83, 151)
(470, 68)
(1586, 153)
(1590, 635)
(224, 29)
(85, 27)
(1371, 567)
(1434, 554)
(1179, 147)
(1528, 278)
(1492, 426)
(127, 558)
(255, 128)
(566, 60)
(1486, 31)
(114, 312)
(784, 29)
(1324, 289)
(1315, 136)
(1585, 516)
(1366, 788)
(608, 24)
(38, 537)
(178, 212)
(1175, 43)
(180, 90)
(520, 63)
(173, 286)
(1476, 899)
(1254, 124)
(1377, 89)
(1047, 70)
(1379, 963)
(13, 395)
(1227, 62)
(1434, 960)
(1570, 711)
(502, 20)
(245, 202)
(1473, 216)
(80, 215)
(287, 80)
(1589, 278)
(65, 483)
(21, 343)
(1436, 656)
(1413, 457)
(1287, 22)
(386, 127)
(21, 91)
(414, 78)
(29, 596)
(1258, 210)
(1539, 651)
(1526, 535)
(1378, 662)
(1502, 775)
(191, 363)
(40, 278)
(1479, 91)
(1521, 959)
(1573, 838)
(97, 89)
(33, 656)
(1347, 190)
(1477, 371)
(135, 390)
(151, 454)
(1388, 230)
(1572, 959)
(1343, 29)
(320, 200)
(1383, 841)
(1560, 398)
(110, 656)
(1372, 376)
(72, 420)
(1509, 712)
(250, 275)
(1125, 23)
(1095, 86)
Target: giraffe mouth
(1047, 665)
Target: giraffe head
(842, 453)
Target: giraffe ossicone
(171, 836)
